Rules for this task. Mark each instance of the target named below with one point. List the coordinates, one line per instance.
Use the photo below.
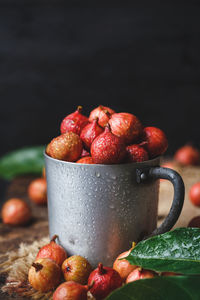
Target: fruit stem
(101, 269)
(54, 237)
(133, 245)
(107, 113)
(143, 144)
(37, 266)
(79, 108)
(91, 285)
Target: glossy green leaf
(160, 288)
(22, 161)
(176, 251)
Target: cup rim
(103, 165)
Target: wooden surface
(11, 237)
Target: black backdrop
(142, 58)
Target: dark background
(141, 57)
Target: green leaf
(176, 251)
(22, 161)
(160, 288)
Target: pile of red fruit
(106, 137)
(76, 277)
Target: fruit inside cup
(106, 137)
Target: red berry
(15, 212)
(195, 222)
(74, 122)
(187, 155)
(136, 153)
(37, 191)
(194, 194)
(70, 290)
(156, 141)
(138, 274)
(126, 126)
(103, 281)
(53, 251)
(85, 160)
(108, 148)
(103, 114)
(90, 132)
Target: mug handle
(179, 192)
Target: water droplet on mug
(113, 177)
(111, 206)
(97, 174)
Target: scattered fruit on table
(37, 191)
(194, 194)
(53, 251)
(138, 274)
(187, 155)
(107, 137)
(44, 275)
(103, 281)
(123, 266)
(195, 222)
(71, 290)
(74, 122)
(76, 268)
(16, 212)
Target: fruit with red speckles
(126, 126)
(37, 191)
(195, 222)
(53, 251)
(70, 290)
(187, 155)
(44, 275)
(140, 273)
(67, 146)
(108, 148)
(136, 153)
(194, 194)
(85, 160)
(76, 268)
(90, 132)
(15, 212)
(74, 122)
(104, 280)
(103, 114)
(155, 141)
(85, 153)
(123, 266)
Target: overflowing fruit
(106, 137)
(103, 281)
(37, 191)
(15, 212)
(76, 268)
(44, 274)
(53, 251)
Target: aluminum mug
(98, 210)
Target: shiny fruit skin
(103, 113)
(108, 148)
(195, 222)
(37, 191)
(194, 194)
(76, 268)
(15, 212)
(90, 132)
(74, 122)
(138, 274)
(85, 160)
(53, 251)
(104, 280)
(156, 141)
(70, 290)
(67, 147)
(47, 277)
(135, 153)
(126, 126)
(123, 266)
(187, 155)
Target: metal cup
(98, 210)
